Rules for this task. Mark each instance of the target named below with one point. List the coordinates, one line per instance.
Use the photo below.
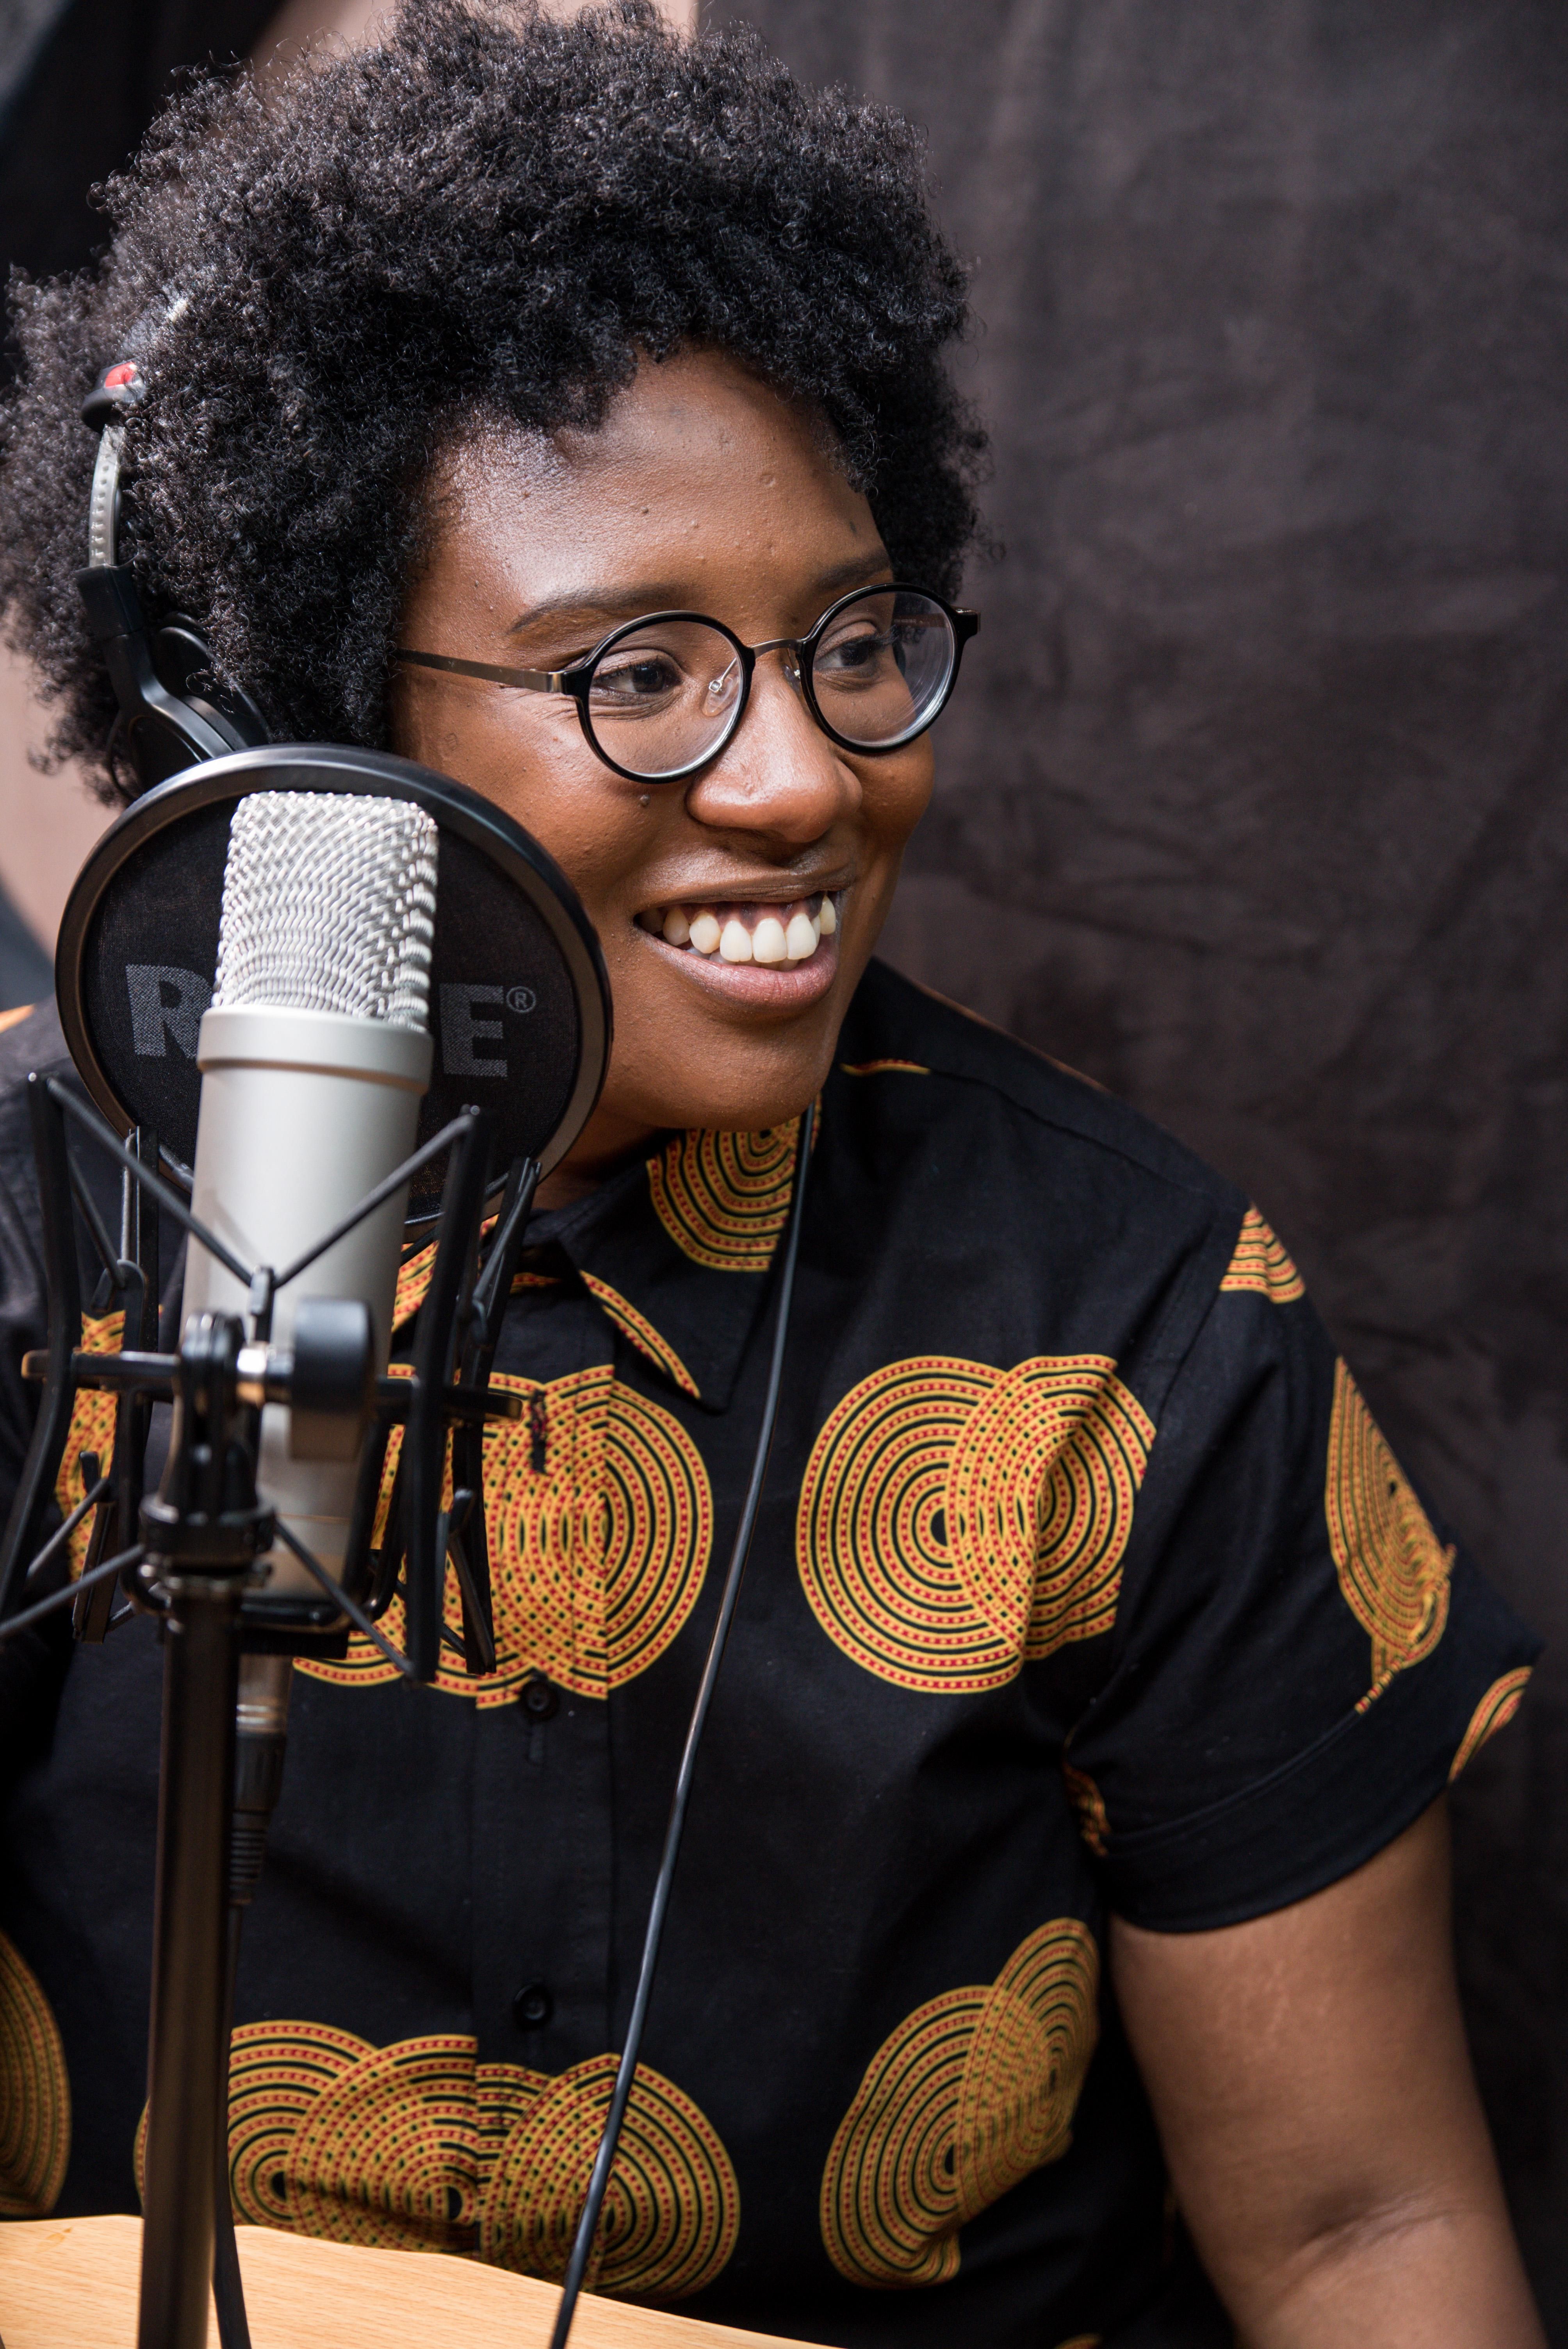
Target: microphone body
(303, 1112)
(315, 1057)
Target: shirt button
(533, 2006)
(541, 1699)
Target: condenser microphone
(249, 970)
(315, 1057)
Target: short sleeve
(1301, 1659)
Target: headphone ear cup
(183, 661)
(166, 731)
(169, 739)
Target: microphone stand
(192, 1560)
(261, 1741)
(209, 1530)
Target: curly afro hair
(489, 216)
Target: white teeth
(768, 942)
(772, 941)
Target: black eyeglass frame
(576, 680)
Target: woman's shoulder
(1040, 1117)
(1031, 1211)
(31, 1040)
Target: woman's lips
(773, 955)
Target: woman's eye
(858, 649)
(646, 678)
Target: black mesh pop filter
(520, 1003)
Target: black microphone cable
(625, 2074)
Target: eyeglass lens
(666, 695)
(882, 667)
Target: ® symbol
(521, 998)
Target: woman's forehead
(700, 415)
(700, 470)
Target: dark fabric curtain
(79, 82)
(1252, 804)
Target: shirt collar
(676, 1249)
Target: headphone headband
(172, 714)
(119, 390)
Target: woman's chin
(746, 1091)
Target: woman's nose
(779, 775)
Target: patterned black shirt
(1083, 1581)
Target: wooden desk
(71, 2283)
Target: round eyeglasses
(659, 697)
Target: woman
(1069, 1814)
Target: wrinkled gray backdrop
(1253, 803)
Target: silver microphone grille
(329, 904)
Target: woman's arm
(1312, 2087)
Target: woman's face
(704, 491)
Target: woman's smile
(777, 953)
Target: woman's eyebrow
(613, 604)
(600, 604)
(861, 571)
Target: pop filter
(520, 1002)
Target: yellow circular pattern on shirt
(1495, 1710)
(1261, 1264)
(672, 2208)
(1393, 1570)
(91, 1429)
(277, 2073)
(956, 1520)
(385, 2156)
(723, 1198)
(35, 2093)
(417, 2147)
(598, 1517)
(973, 2091)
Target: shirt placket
(542, 1822)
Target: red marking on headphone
(123, 373)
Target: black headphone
(174, 712)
